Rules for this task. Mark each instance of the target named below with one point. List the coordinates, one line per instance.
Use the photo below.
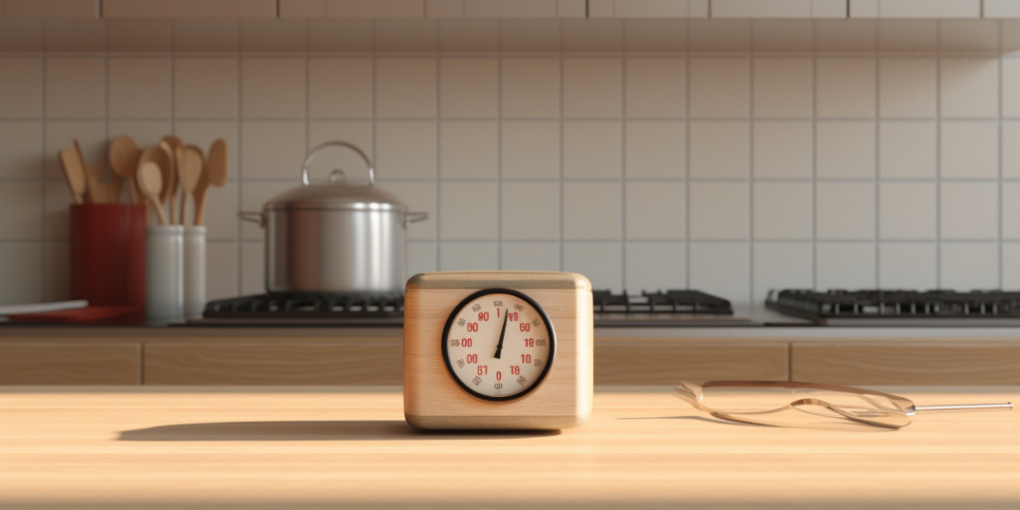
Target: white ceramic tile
(339, 87)
(969, 87)
(405, 87)
(845, 210)
(469, 36)
(138, 87)
(719, 150)
(845, 87)
(782, 87)
(1010, 266)
(468, 211)
(591, 149)
(57, 215)
(969, 150)
(969, 35)
(272, 149)
(782, 266)
(422, 257)
(406, 149)
(530, 87)
(969, 211)
(906, 87)
(969, 266)
(719, 87)
(468, 87)
(206, 87)
(782, 210)
(204, 132)
(906, 211)
(845, 266)
(254, 195)
(599, 262)
(530, 256)
(221, 274)
(592, 87)
(592, 211)
(654, 149)
(912, 266)
(530, 149)
(845, 150)
(75, 88)
(419, 196)
(655, 87)
(529, 35)
(221, 209)
(719, 211)
(21, 87)
(1011, 87)
(1010, 149)
(56, 272)
(906, 150)
(654, 266)
(468, 257)
(21, 149)
(907, 35)
(21, 270)
(721, 269)
(60, 134)
(1011, 210)
(592, 36)
(654, 211)
(782, 149)
(356, 132)
(253, 271)
(467, 149)
(21, 206)
(529, 210)
(273, 88)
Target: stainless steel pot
(335, 237)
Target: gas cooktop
(655, 309)
(899, 307)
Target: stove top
(900, 307)
(656, 309)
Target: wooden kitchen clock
(497, 350)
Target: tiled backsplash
(732, 173)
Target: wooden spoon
(172, 145)
(124, 156)
(93, 191)
(75, 174)
(150, 183)
(159, 157)
(215, 174)
(190, 173)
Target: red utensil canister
(108, 253)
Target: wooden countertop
(152, 447)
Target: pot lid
(337, 194)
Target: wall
(731, 157)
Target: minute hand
(502, 332)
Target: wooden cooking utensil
(150, 183)
(93, 193)
(157, 156)
(172, 144)
(124, 156)
(75, 174)
(215, 174)
(189, 170)
(102, 192)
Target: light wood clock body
(434, 400)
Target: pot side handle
(253, 216)
(411, 217)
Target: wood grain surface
(58, 363)
(164, 448)
(977, 362)
(660, 361)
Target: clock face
(498, 344)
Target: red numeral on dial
(511, 316)
(499, 375)
(472, 326)
(466, 342)
(483, 369)
(471, 358)
(529, 342)
(482, 316)
(515, 370)
(525, 358)
(524, 327)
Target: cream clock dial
(498, 344)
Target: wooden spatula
(215, 174)
(75, 174)
(172, 145)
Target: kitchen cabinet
(938, 9)
(189, 9)
(51, 8)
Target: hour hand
(502, 333)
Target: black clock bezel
(444, 341)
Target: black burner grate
(671, 301)
(305, 306)
(894, 303)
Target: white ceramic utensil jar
(164, 273)
(194, 270)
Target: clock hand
(502, 332)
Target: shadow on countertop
(352, 430)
